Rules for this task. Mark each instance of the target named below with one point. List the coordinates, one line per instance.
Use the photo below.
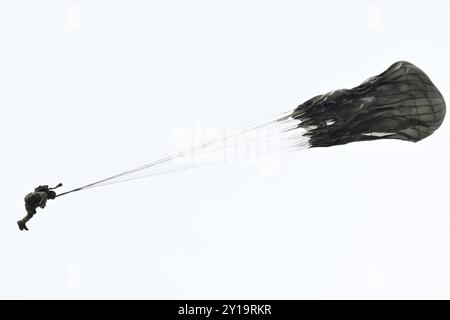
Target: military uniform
(33, 200)
(36, 199)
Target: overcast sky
(90, 88)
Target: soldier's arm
(43, 201)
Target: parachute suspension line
(285, 116)
(292, 147)
(239, 131)
(224, 148)
(288, 142)
(184, 152)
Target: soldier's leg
(30, 213)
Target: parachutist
(35, 199)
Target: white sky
(89, 88)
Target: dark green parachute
(400, 103)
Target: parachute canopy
(400, 103)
